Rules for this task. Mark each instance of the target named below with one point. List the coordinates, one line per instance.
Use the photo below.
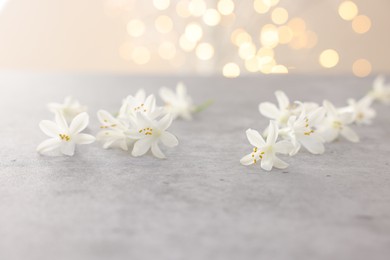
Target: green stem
(203, 106)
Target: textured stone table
(200, 203)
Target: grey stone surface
(200, 203)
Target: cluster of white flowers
(309, 125)
(140, 124)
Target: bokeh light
(279, 15)
(231, 70)
(211, 17)
(161, 4)
(361, 68)
(348, 10)
(135, 28)
(204, 51)
(163, 24)
(361, 24)
(193, 32)
(329, 58)
(225, 7)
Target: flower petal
(61, 122)
(313, 143)
(273, 132)
(349, 134)
(284, 147)
(141, 146)
(79, 123)
(255, 138)
(181, 90)
(269, 110)
(157, 151)
(168, 139)
(347, 117)
(329, 134)
(49, 128)
(247, 159)
(83, 139)
(317, 116)
(267, 162)
(165, 122)
(48, 145)
(140, 95)
(68, 148)
(330, 109)
(167, 95)
(283, 100)
(105, 117)
(278, 163)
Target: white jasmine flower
(113, 131)
(336, 123)
(302, 131)
(178, 103)
(380, 91)
(362, 111)
(138, 103)
(63, 138)
(265, 151)
(148, 133)
(70, 108)
(281, 113)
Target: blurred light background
(225, 37)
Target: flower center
(146, 131)
(337, 125)
(140, 108)
(360, 116)
(64, 137)
(257, 155)
(310, 131)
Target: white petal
(283, 100)
(165, 122)
(61, 122)
(278, 163)
(79, 123)
(83, 139)
(255, 138)
(284, 147)
(48, 145)
(156, 151)
(347, 117)
(168, 139)
(349, 134)
(68, 148)
(330, 109)
(317, 116)
(167, 95)
(140, 95)
(269, 110)
(141, 146)
(267, 162)
(181, 90)
(273, 132)
(105, 117)
(123, 145)
(49, 128)
(150, 103)
(247, 159)
(329, 134)
(313, 143)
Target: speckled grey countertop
(200, 203)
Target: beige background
(83, 35)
